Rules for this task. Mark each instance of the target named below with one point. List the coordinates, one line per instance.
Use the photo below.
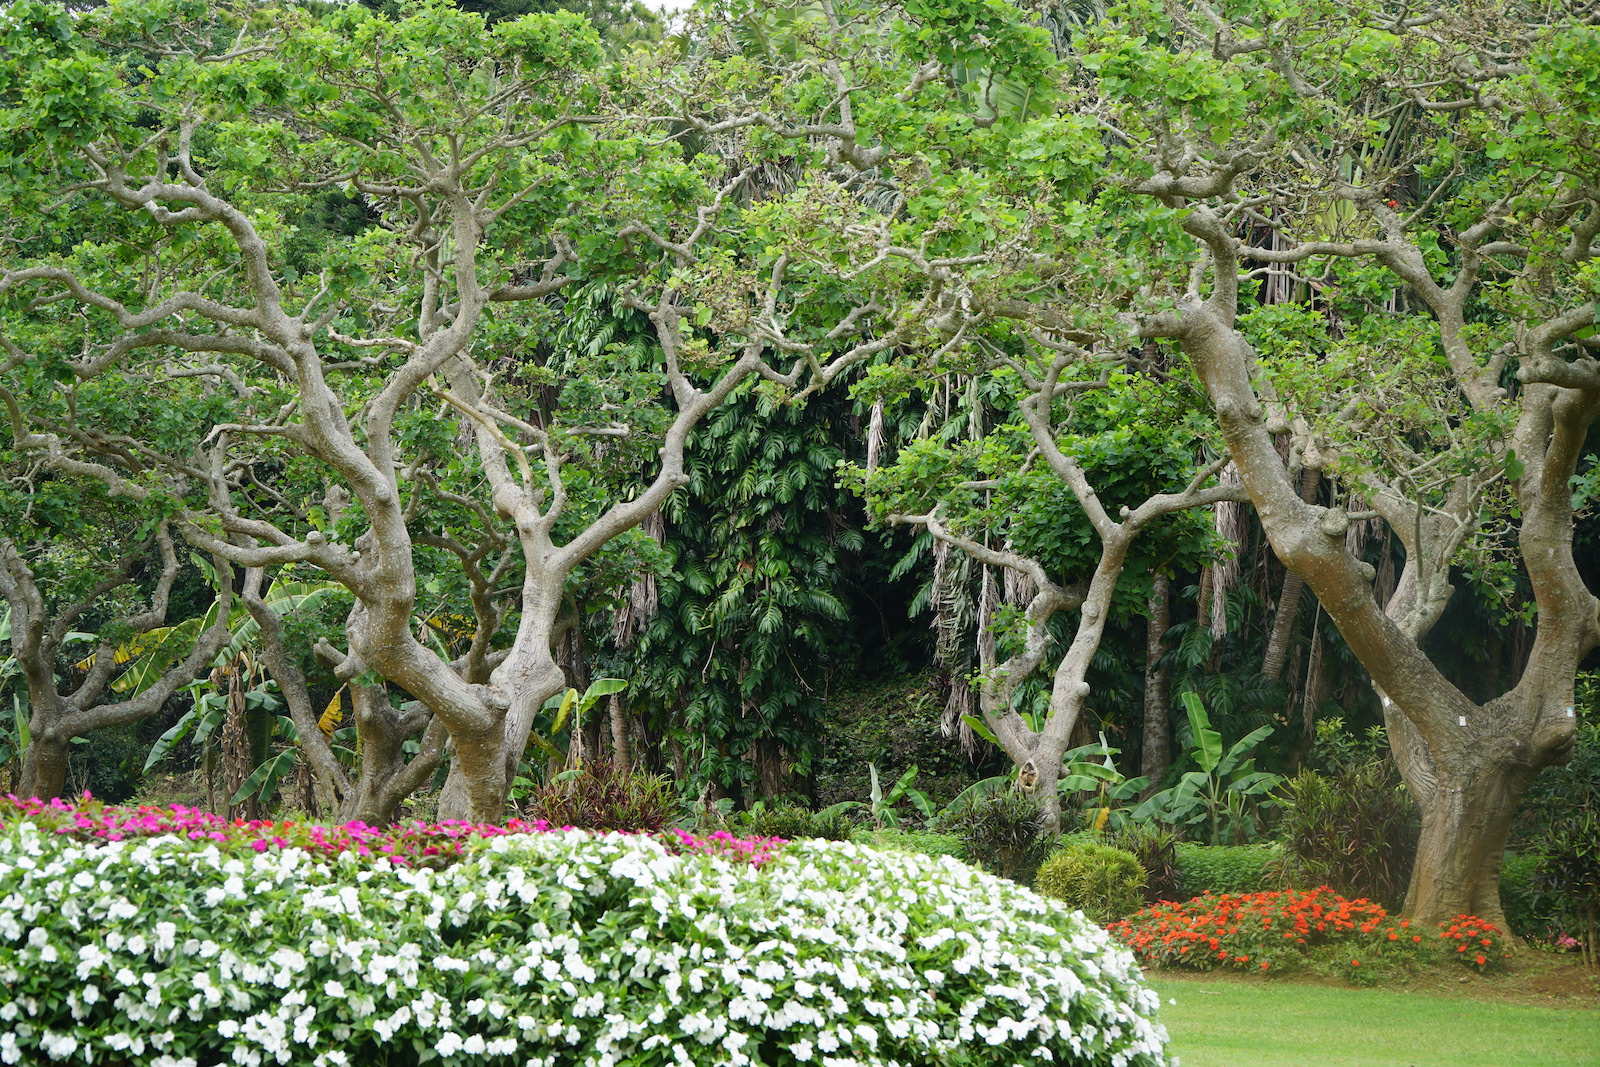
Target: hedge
(1227, 868)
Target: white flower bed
(557, 949)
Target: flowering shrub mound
(554, 948)
(1282, 930)
(406, 844)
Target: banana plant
(1225, 792)
(151, 653)
(1091, 770)
(566, 712)
(884, 815)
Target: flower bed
(1280, 931)
(546, 948)
(406, 844)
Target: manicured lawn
(1268, 1024)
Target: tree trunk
(1047, 795)
(386, 777)
(1156, 753)
(484, 761)
(1289, 598)
(477, 786)
(621, 754)
(1464, 831)
(44, 766)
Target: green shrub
(923, 842)
(1566, 878)
(1353, 828)
(600, 797)
(791, 822)
(1155, 849)
(1001, 831)
(1226, 868)
(1557, 835)
(1105, 883)
(1518, 897)
(1561, 793)
(557, 948)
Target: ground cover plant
(1296, 929)
(554, 947)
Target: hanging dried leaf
(875, 436)
(643, 599)
(333, 714)
(1230, 519)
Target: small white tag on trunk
(1461, 720)
(1570, 715)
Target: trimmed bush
(1226, 868)
(1105, 883)
(556, 948)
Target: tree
(1425, 185)
(500, 165)
(1066, 531)
(110, 576)
(1423, 178)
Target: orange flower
(1263, 965)
(1481, 961)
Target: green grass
(1261, 1024)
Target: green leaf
(981, 728)
(264, 777)
(1515, 468)
(1208, 743)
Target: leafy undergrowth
(1292, 930)
(405, 844)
